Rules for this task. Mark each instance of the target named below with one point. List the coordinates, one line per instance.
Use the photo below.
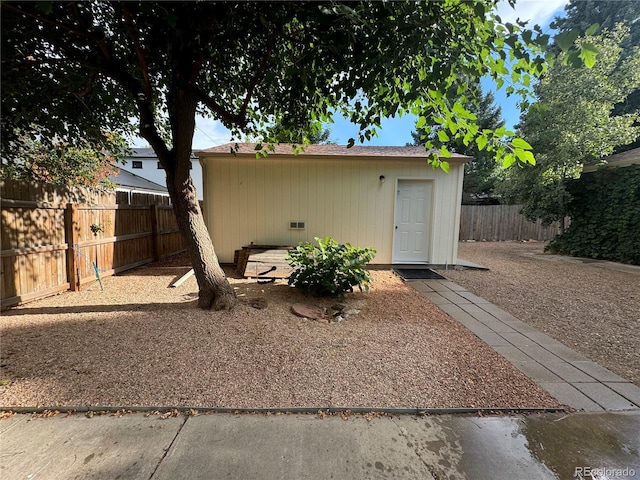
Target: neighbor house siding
(253, 200)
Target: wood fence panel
(33, 248)
(48, 244)
(502, 223)
(169, 236)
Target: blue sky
(397, 131)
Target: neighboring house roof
(131, 181)
(147, 153)
(328, 150)
(624, 159)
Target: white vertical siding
(253, 200)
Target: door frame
(430, 230)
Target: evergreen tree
(482, 173)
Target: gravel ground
(141, 343)
(591, 309)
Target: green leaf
(481, 141)
(521, 143)
(445, 167)
(421, 122)
(508, 160)
(442, 136)
(524, 156)
(444, 152)
(566, 40)
(588, 54)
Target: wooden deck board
(260, 260)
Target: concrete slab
(547, 446)
(78, 447)
(605, 397)
(289, 446)
(455, 311)
(473, 298)
(513, 354)
(539, 337)
(455, 298)
(628, 390)
(436, 286)
(498, 312)
(565, 443)
(540, 354)
(517, 339)
(420, 286)
(568, 372)
(460, 448)
(550, 446)
(468, 264)
(537, 372)
(519, 326)
(452, 286)
(498, 326)
(596, 371)
(567, 394)
(436, 298)
(564, 352)
(493, 339)
(475, 326)
(478, 313)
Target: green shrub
(604, 216)
(331, 268)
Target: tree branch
(142, 58)
(256, 78)
(224, 115)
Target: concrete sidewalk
(256, 446)
(569, 376)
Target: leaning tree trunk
(214, 289)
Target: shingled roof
(327, 150)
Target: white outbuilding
(389, 198)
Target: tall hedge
(605, 216)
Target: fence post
(71, 233)
(155, 234)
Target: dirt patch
(591, 309)
(141, 343)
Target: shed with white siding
(389, 198)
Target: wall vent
(297, 225)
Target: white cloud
(539, 12)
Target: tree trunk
(214, 288)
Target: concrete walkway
(569, 376)
(255, 446)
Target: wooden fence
(49, 246)
(501, 223)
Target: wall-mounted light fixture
(382, 178)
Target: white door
(412, 221)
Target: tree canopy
(72, 71)
(573, 123)
(582, 14)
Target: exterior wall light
(382, 178)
